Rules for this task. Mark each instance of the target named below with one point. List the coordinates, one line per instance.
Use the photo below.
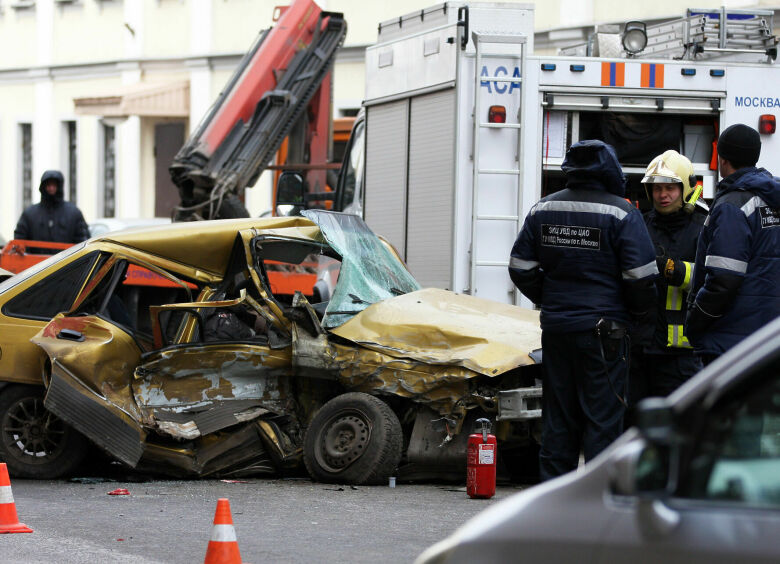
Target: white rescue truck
(450, 185)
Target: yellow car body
(212, 372)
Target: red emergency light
(497, 114)
(766, 124)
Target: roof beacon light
(497, 114)
(635, 37)
(766, 124)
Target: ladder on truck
(481, 41)
(713, 31)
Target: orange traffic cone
(223, 546)
(9, 520)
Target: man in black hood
(53, 219)
(735, 290)
(584, 254)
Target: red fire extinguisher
(481, 462)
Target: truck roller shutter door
(429, 236)
(386, 166)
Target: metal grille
(109, 171)
(72, 160)
(26, 163)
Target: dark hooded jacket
(675, 236)
(736, 280)
(584, 253)
(52, 219)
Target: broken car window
(296, 266)
(369, 271)
(125, 294)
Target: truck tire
(35, 443)
(354, 438)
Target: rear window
(53, 294)
(36, 268)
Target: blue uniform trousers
(580, 405)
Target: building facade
(108, 90)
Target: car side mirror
(640, 468)
(655, 420)
(289, 193)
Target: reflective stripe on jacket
(584, 253)
(675, 236)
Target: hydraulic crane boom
(268, 93)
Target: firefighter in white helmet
(674, 223)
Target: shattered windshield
(369, 271)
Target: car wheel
(34, 442)
(355, 438)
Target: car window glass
(370, 272)
(737, 459)
(126, 293)
(294, 266)
(36, 268)
(54, 294)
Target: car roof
(201, 244)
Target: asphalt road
(275, 521)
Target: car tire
(354, 438)
(34, 442)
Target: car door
(94, 351)
(290, 271)
(206, 378)
(727, 505)
(30, 301)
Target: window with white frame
(25, 162)
(109, 171)
(71, 158)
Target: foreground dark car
(697, 481)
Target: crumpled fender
(441, 327)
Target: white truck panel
(754, 90)
(409, 65)
(427, 210)
(429, 235)
(386, 164)
(646, 75)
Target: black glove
(673, 271)
(697, 321)
(642, 328)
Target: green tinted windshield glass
(369, 273)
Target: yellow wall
(16, 105)
(236, 24)
(104, 41)
(166, 28)
(17, 38)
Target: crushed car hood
(441, 327)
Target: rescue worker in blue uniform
(736, 280)
(674, 224)
(585, 256)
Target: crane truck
(463, 128)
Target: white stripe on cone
(5, 495)
(223, 533)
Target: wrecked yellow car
(272, 344)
